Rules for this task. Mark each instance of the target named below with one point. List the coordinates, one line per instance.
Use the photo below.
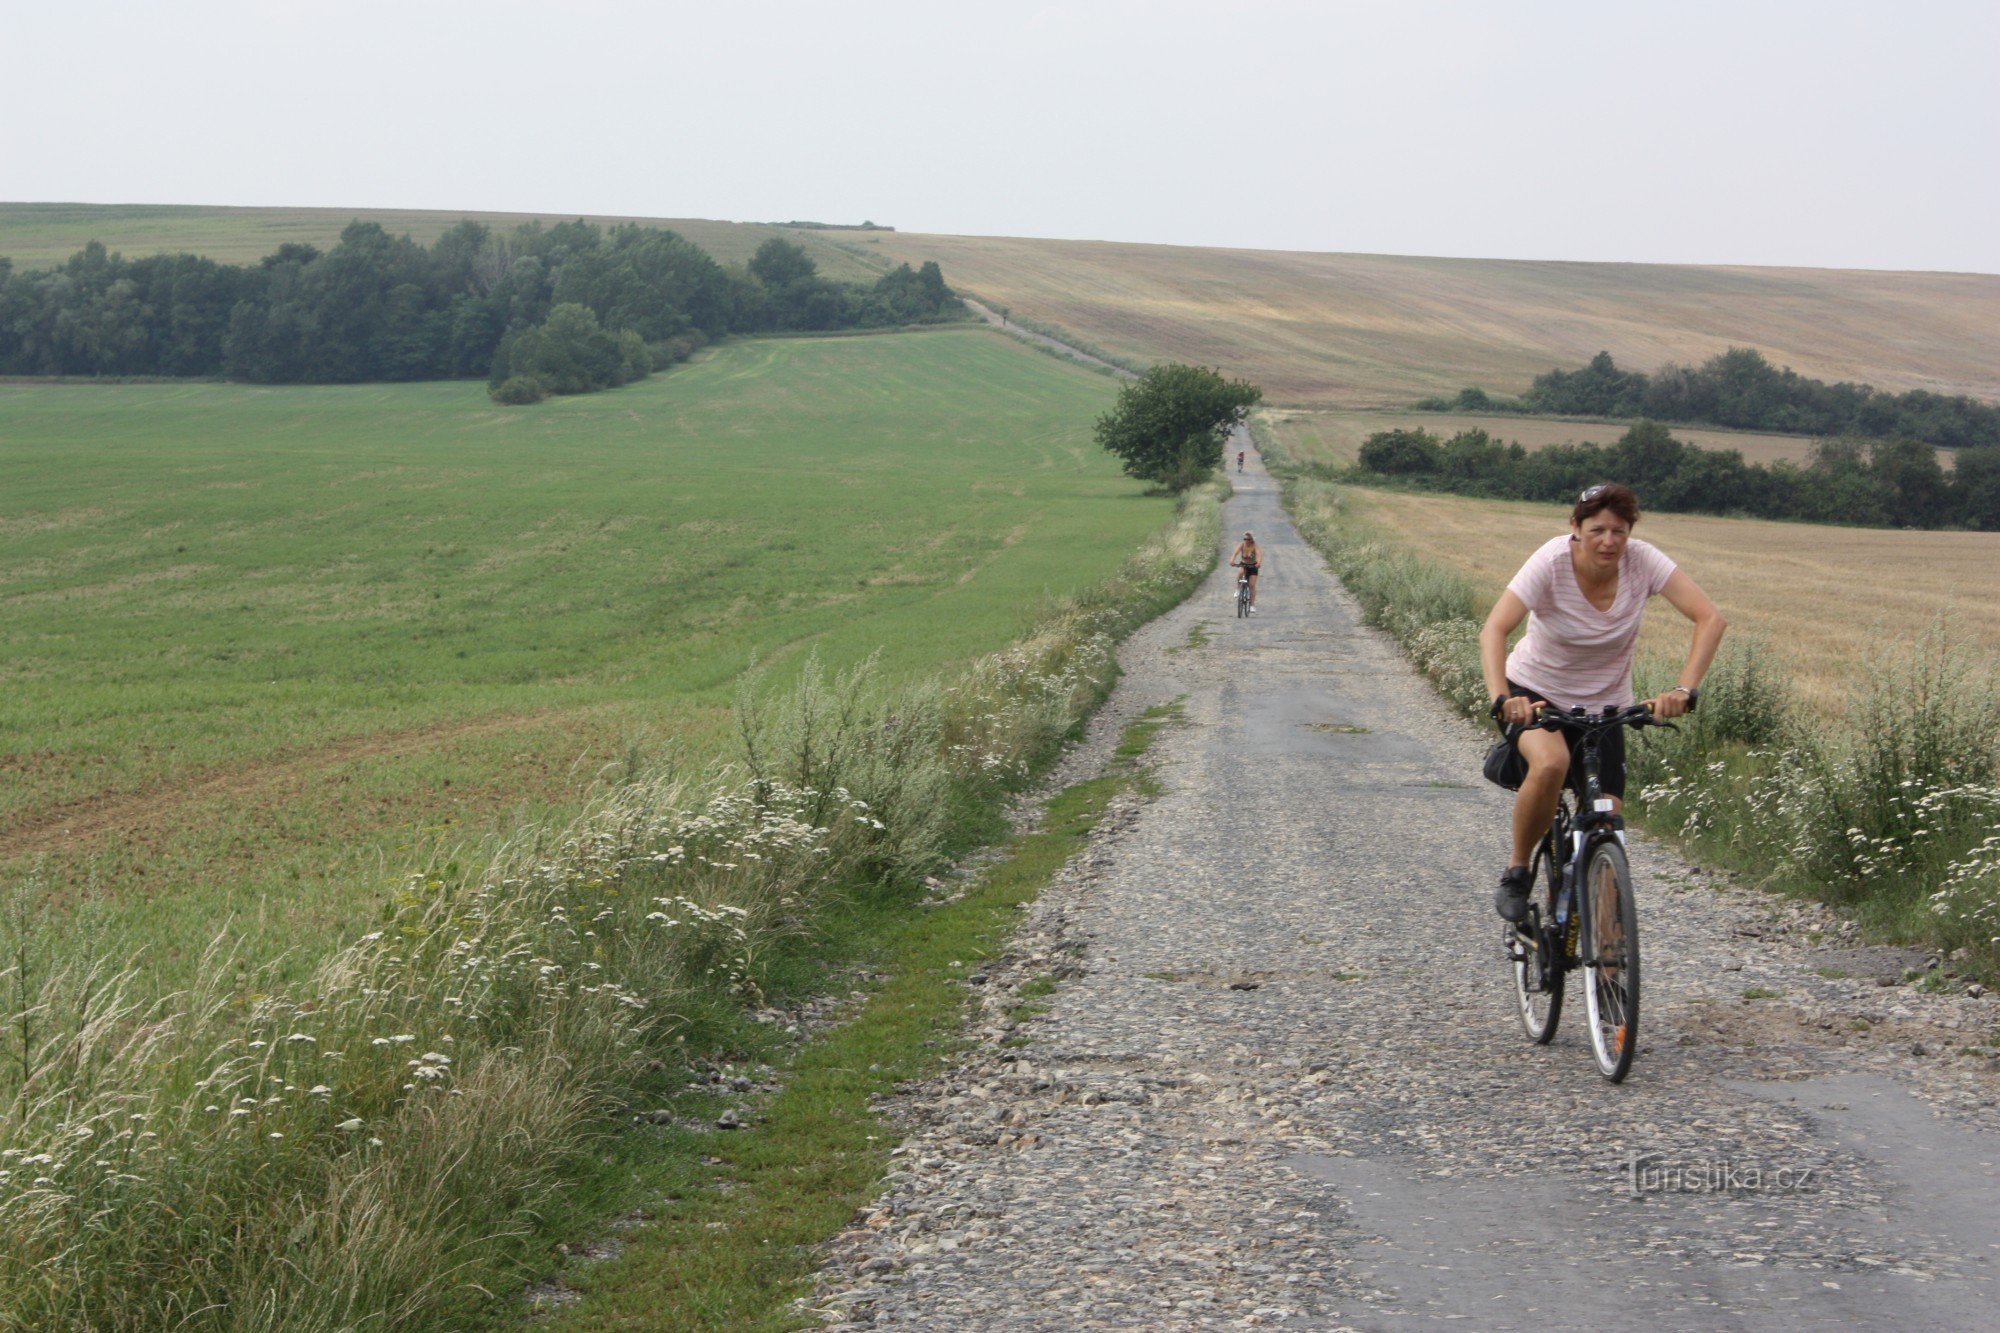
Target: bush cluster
(1739, 388)
(1875, 483)
(374, 1148)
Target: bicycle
(1584, 917)
(1242, 596)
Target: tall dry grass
(374, 1149)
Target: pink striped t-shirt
(1574, 654)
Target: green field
(262, 646)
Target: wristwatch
(1693, 694)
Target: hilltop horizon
(1315, 328)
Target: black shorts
(1610, 754)
(1250, 570)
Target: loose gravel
(1279, 1079)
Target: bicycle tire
(1242, 600)
(1539, 977)
(1610, 920)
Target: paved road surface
(1282, 1082)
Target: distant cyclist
(1583, 595)
(1239, 460)
(1247, 558)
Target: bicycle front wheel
(1611, 959)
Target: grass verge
(738, 1214)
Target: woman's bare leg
(1535, 803)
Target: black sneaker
(1511, 901)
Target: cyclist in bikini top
(1247, 558)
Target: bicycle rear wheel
(1539, 974)
(1611, 959)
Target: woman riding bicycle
(1583, 595)
(1248, 558)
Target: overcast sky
(1830, 133)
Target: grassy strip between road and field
(732, 1243)
(1887, 812)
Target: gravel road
(1281, 1080)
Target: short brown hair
(1620, 500)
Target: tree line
(382, 307)
(1868, 483)
(1739, 388)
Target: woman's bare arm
(1688, 599)
(1504, 619)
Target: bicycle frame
(1587, 920)
(1571, 836)
(1593, 823)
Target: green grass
(262, 647)
(733, 1217)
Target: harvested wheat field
(1334, 439)
(1827, 601)
(1381, 330)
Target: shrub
(517, 391)
(1398, 453)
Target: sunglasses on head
(1592, 493)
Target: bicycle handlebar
(1550, 718)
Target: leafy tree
(780, 264)
(909, 296)
(1473, 455)
(517, 391)
(1170, 425)
(1401, 453)
(1647, 458)
(1912, 482)
(1600, 389)
(1975, 488)
(652, 282)
(1838, 488)
(569, 353)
